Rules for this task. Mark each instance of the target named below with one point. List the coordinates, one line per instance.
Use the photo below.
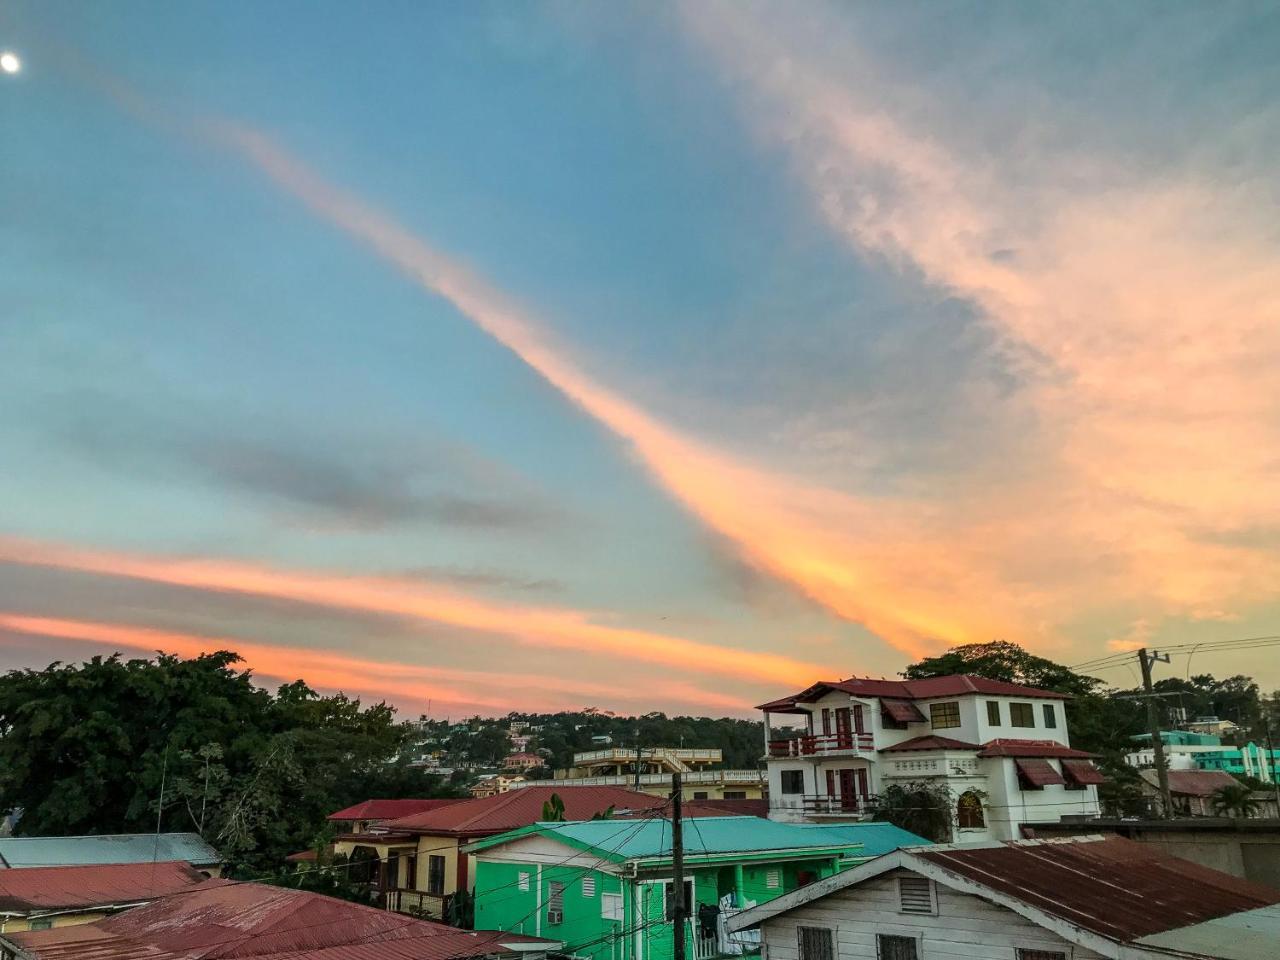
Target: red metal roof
(1031, 748)
(389, 809)
(54, 888)
(221, 919)
(1038, 772)
(930, 742)
(927, 689)
(1194, 783)
(484, 816)
(1110, 886)
(1082, 772)
(728, 808)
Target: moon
(10, 62)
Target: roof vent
(915, 895)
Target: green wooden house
(603, 887)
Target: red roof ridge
(930, 742)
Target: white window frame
(612, 907)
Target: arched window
(969, 811)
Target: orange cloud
(420, 601)
(399, 681)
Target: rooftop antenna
(155, 846)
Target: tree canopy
(87, 748)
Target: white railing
(693, 778)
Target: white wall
(965, 926)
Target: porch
(841, 744)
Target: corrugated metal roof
(1251, 935)
(875, 838)
(484, 816)
(1082, 772)
(1031, 748)
(1038, 772)
(1110, 886)
(621, 840)
(106, 848)
(222, 919)
(930, 742)
(388, 809)
(930, 687)
(57, 888)
(904, 711)
(1193, 783)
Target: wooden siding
(965, 926)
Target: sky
(658, 356)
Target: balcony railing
(819, 804)
(821, 746)
(417, 902)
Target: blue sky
(631, 343)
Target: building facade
(1192, 750)
(604, 888)
(1002, 750)
(611, 766)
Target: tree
(1234, 800)
(553, 809)
(84, 748)
(491, 744)
(923, 807)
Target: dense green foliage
(924, 807)
(86, 748)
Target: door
(858, 721)
(844, 729)
(848, 793)
(864, 789)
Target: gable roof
(223, 919)
(1192, 783)
(1091, 890)
(390, 809)
(484, 816)
(929, 688)
(106, 848)
(930, 742)
(620, 841)
(42, 889)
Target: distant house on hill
(25, 852)
(37, 898)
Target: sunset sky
(498, 356)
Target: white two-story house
(1001, 748)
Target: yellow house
(415, 863)
(37, 898)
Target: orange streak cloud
(539, 626)
(818, 539)
(339, 672)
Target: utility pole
(1271, 758)
(679, 908)
(1153, 724)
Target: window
(411, 872)
(611, 907)
(896, 948)
(555, 902)
(915, 895)
(435, 875)
(969, 812)
(735, 794)
(816, 943)
(993, 712)
(42, 923)
(1041, 954)
(793, 781)
(1050, 718)
(943, 715)
(1021, 715)
(669, 900)
(700, 795)
(522, 880)
(588, 886)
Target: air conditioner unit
(554, 917)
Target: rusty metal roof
(1193, 783)
(484, 816)
(1110, 886)
(222, 919)
(39, 889)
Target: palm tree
(1234, 800)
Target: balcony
(827, 745)
(819, 805)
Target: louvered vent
(915, 895)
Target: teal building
(1203, 751)
(604, 887)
